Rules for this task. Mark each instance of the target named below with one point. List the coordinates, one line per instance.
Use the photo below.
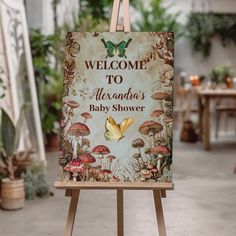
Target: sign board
(117, 108)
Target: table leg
(200, 117)
(206, 124)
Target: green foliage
(9, 140)
(35, 183)
(221, 73)
(155, 17)
(85, 23)
(8, 133)
(97, 9)
(48, 77)
(202, 27)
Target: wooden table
(204, 98)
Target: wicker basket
(12, 194)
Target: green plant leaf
(7, 133)
(202, 27)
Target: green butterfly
(118, 49)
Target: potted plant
(215, 78)
(12, 189)
(221, 74)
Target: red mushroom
(72, 104)
(160, 151)
(149, 166)
(138, 143)
(87, 159)
(168, 120)
(79, 129)
(162, 96)
(165, 99)
(150, 127)
(75, 166)
(86, 116)
(154, 171)
(157, 113)
(76, 130)
(110, 159)
(103, 174)
(62, 124)
(101, 150)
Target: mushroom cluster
(75, 167)
(166, 101)
(75, 132)
(150, 128)
(85, 167)
(154, 148)
(160, 151)
(68, 108)
(82, 165)
(101, 150)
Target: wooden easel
(73, 188)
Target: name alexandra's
(100, 94)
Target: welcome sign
(117, 107)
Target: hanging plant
(202, 27)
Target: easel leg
(159, 213)
(72, 212)
(120, 213)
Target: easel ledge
(114, 185)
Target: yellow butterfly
(116, 131)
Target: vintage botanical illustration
(116, 123)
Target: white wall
(196, 64)
(40, 13)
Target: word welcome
(115, 65)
